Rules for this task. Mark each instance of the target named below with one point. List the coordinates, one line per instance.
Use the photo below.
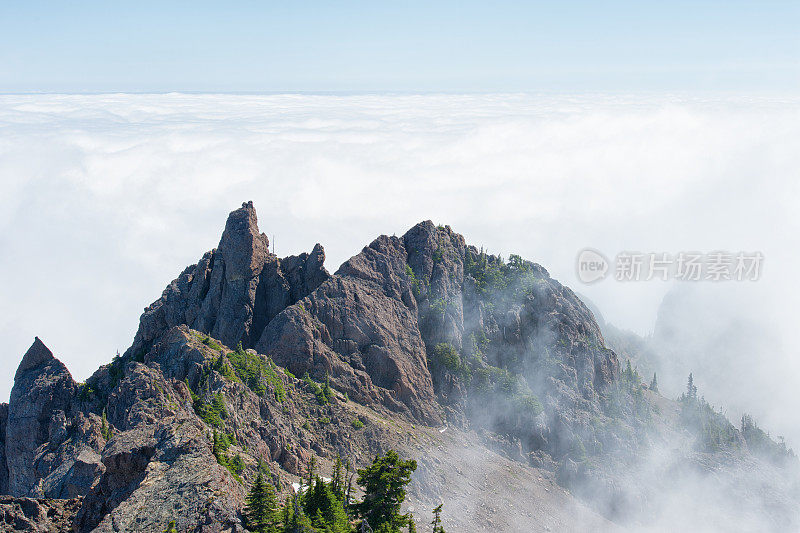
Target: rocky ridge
(282, 360)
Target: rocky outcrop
(157, 473)
(374, 326)
(39, 422)
(37, 515)
(234, 290)
(360, 328)
(51, 447)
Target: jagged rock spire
(37, 355)
(234, 290)
(43, 387)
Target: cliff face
(375, 326)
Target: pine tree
(337, 481)
(326, 388)
(321, 501)
(628, 372)
(691, 390)
(216, 445)
(105, 430)
(437, 520)
(312, 465)
(272, 510)
(286, 513)
(349, 485)
(298, 521)
(384, 484)
(261, 511)
(654, 383)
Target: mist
(105, 198)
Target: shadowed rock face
(360, 328)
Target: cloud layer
(105, 198)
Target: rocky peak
(41, 401)
(233, 291)
(37, 355)
(243, 248)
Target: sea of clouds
(106, 198)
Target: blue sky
(400, 46)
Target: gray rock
(362, 312)
(43, 388)
(37, 516)
(155, 473)
(234, 290)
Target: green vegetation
(211, 343)
(439, 307)
(357, 424)
(489, 387)
(416, 284)
(446, 356)
(505, 282)
(261, 510)
(323, 507)
(212, 413)
(323, 393)
(437, 519)
(712, 429)
(221, 443)
(171, 528)
(320, 508)
(105, 430)
(760, 443)
(624, 399)
(85, 392)
(502, 384)
(384, 483)
(255, 372)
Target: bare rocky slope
(494, 376)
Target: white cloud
(106, 198)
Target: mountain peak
(243, 246)
(234, 290)
(37, 355)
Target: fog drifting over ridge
(105, 198)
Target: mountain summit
(249, 363)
